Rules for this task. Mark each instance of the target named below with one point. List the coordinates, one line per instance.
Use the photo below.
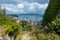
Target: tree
(51, 12)
(2, 12)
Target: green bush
(10, 27)
(56, 25)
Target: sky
(24, 6)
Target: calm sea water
(30, 17)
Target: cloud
(43, 5)
(38, 6)
(9, 7)
(21, 5)
(24, 7)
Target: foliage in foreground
(36, 33)
(10, 27)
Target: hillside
(51, 12)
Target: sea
(28, 17)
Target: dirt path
(26, 37)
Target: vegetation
(52, 11)
(8, 25)
(2, 12)
(51, 18)
(49, 30)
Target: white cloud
(36, 6)
(39, 5)
(32, 7)
(43, 5)
(21, 5)
(24, 7)
(9, 7)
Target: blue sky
(24, 6)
